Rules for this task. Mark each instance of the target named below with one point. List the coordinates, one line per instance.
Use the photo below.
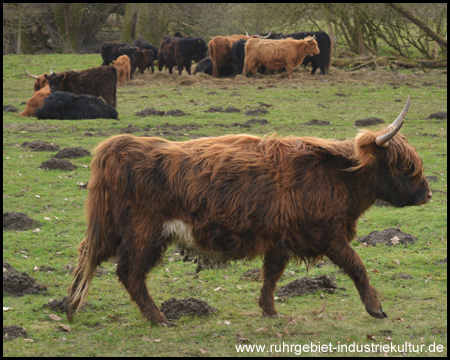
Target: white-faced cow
(240, 196)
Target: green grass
(111, 324)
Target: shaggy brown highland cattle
(220, 50)
(238, 197)
(123, 67)
(36, 101)
(277, 54)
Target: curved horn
(383, 140)
(51, 71)
(267, 36)
(246, 33)
(312, 38)
(31, 75)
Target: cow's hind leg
(136, 258)
(346, 258)
(274, 264)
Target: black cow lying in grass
(61, 105)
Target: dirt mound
(38, 145)
(57, 305)
(438, 115)
(18, 221)
(391, 236)
(369, 121)
(10, 108)
(215, 109)
(72, 153)
(308, 285)
(58, 164)
(12, 332)
(18, 284)
(317, 122)
(175, 308)
(175, 112)
(250, 122)
(149, 112)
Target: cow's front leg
(274, 264)
(346, 258)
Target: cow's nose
(429, 195)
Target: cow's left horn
(383, 140)
(31, 75)
(51, 71)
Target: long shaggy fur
(238, 196)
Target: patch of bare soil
(252, 275)
(38, 145)
(308, 285)
(12, 332)
(256, 112)
(176, 308)
(18, 221)
(391, 236)
(58, 164)
(72, 153)
(19, 284)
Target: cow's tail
(97, 246)
(330, 54)
(212, 55)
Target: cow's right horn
(31, 75)
(51, 71)
(383, 140)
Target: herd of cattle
(67, 95)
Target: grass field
(111, 325)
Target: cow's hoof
(379, 314)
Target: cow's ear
(46, 76)
(63, 76)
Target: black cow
(62, 105)
(205, 66)
(112, 50)
(238, 54)
(99, 81)
(180, 51)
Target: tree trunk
(414, 19)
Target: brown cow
(99, 81)
(220, 50)
(276, 54)
(123, 67)
(240, 196)
(36, 101)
